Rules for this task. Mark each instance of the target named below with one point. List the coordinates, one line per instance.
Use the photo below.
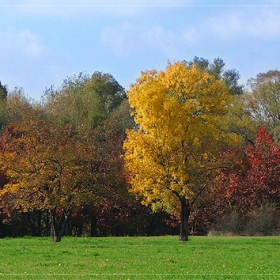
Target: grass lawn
(141, 258)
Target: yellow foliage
(182, 119)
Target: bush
(229, 224)
(263, 221)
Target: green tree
(3, 112)
(83, 100)
(181, 131)
(110, 92)
(262, 101)
(217, 68)
(73, 103)
(3, 92)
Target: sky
(45, 41)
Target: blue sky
(44, 41)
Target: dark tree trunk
(39, 223)
(93, 224)
(58, 224)
(184, 216)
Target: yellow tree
(181, 118)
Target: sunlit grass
(141, 258)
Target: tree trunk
(184, 216)
(39, 223)
(58, 225)
(93, 224)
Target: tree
(47, 166)
(174, 152)
(85, 101)
(3, 92)
(74, 103)
(240, 123)
(3, 111)
(263, 175)
(262, 101)
(216, 68)
(250, 187)
(97, 109)
(110, 92)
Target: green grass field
(141, 258)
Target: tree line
(183, 151)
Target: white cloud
(27, 62)
(264, 24)
(128, 39)
(31, 43)
(121, 39)
(238, 23)
(23, 42)
(169, 42)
